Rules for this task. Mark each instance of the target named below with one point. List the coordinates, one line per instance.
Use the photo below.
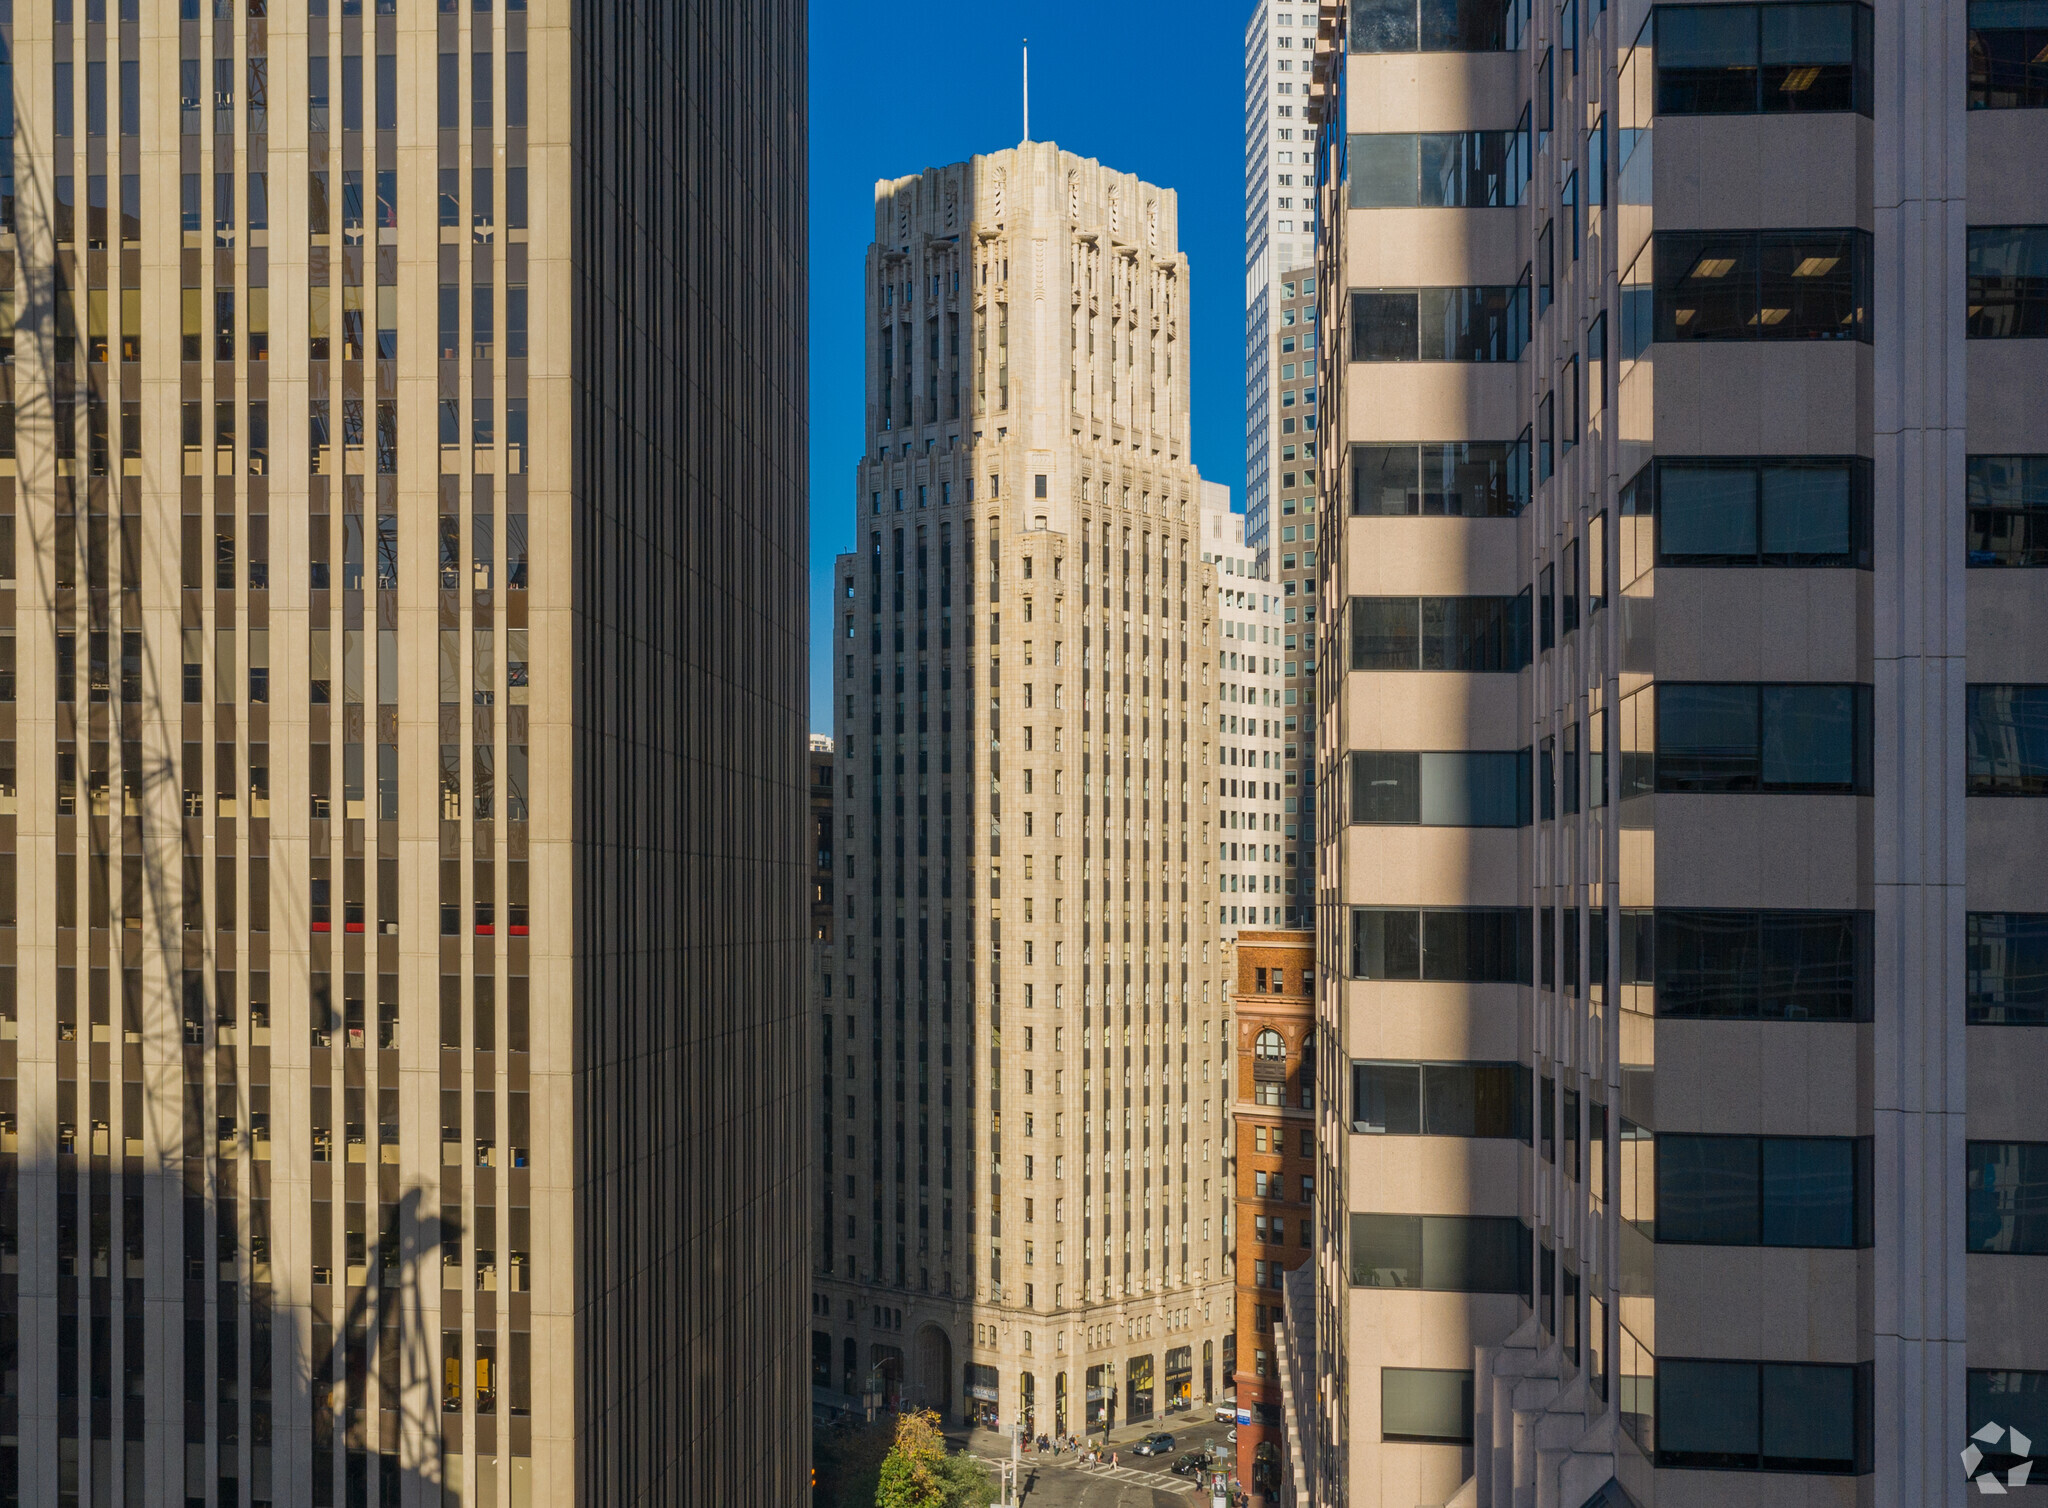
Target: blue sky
(1154, 87)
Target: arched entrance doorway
(931, 1370)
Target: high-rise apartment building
(1279, 225)
(401, 954)
(1247, 660)
(1030, 1015)
(1677, 898)
(1290, 563)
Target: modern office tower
(404, 1077)
(1279, 223)
(1032, 1007)
(1247, 660)
(1679, 895)
(1273, 1016)
(1290, 562)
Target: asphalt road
(1063, 1481)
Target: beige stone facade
(1678, 810)
(1024, 1202)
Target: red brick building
(1273, 1015)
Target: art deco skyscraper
(1025, 1212)
(401, 936)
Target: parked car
(1191, 1463)
(1226, 1413)
(1153, 1445)
(1231, 1437)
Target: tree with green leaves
(918, 1472)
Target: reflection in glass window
(1768, 1416)
(2005, 980)
(1440, 1253)
(1750, 59)
(1794, 511)
(1488, 1100)
(2008, 296)
(2008, 498)
(1478, 635)
(1455, 480)
(2007, 740)
(1436, 25)
(2008, 1197)
(2008, 54)
(1440, 324)
(1425, 1406)
(1741, 737)
(1441, 170)
(1762, 285)
(1449, 789)
(1809, 1191)
(1474, 945)
(1759, 965)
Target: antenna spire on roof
(1027, 89)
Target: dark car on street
(1154, 1445)
(1190, 1463)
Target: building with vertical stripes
(401, 788)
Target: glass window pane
(1386, 633)
(1707, 963)
(1385, 479)
(1707, 1189)
(1382, 169)
(1384, 325)
(2008, 54)
(1386, 944)
(2008, 740)
(2013, 1400)
(1428, 1406)
(1706, 514)
(1386, 1099)
(1809, 737)
(1463, 25)
(1471, 1254)
(1806, 515)
(1449, 1100)
(1470, 790)
(2006, 978)
(1706, 59)
(1386, 1251)
(1706, 285)
(1809, 57)
(2008, 294)
(1707, 1413)
(1812, 966)
(1472, 480)
(1707, 738)
(1382, 25)
(1386, 788)
(1809, 1418)
(2007, 1200)
(1811, 285)
(1809, 1192)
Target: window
(1429, 26)
(2006, 968)
(2008, 498)
(1450, 789)
(1488, 1100)
(2008, 740)
(1480, 945)
(1763, 511)
(1546, 268)
(1763, 1416)
(1738, 737)
(2008, 54)
(1455, 480)
(1751, 59)
(1268, 1045)
(1425, 1406)
(2007, 1205)
(1440, 1253)
(2008, 298)
(1762, 1191)
(1756, 965)
(1440, 324)
(2019, 1402)
(1764, 285)
(1439, 170)
(1478, 635)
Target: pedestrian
(1112, 1458)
